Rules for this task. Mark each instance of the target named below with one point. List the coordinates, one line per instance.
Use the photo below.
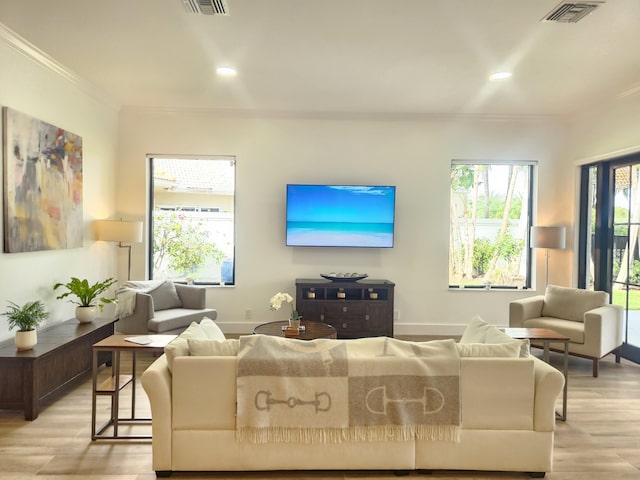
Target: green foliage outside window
(507, 248)
(634, 273)
(182, 242)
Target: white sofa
(507, 413)
(594, 327)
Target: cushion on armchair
(165, 296)
(571, 303)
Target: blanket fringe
(258, 435)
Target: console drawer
(347, 327)
(343, 310)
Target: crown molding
(33, 53)
(336, 115)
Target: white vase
(26, 340)
(86, 314)
(294, 322)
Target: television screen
(340, 215)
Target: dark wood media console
(355, 309)
(62, 357)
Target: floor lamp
(120, 231)
(548, 237)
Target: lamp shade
(119, 231)
(548, 237)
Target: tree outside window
(490, 217)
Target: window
(192, 219)
(490, 218)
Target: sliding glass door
(609, 247)
(625, 279)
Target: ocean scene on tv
(340, 215)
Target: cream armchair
(594, 327)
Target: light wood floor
(599, 441)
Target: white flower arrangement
(279, 298)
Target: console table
(62, 357)
(355, 309)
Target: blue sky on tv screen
(340, 203)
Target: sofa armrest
(549, 382)
(192, 296)
(142, 313)
(156, 381)
(603, 329)
(524, 309)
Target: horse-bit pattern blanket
(325, 390)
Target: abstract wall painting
(42, 185)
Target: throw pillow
(216, 348)
(211, 329)
(479, 331)
(494, 335)
(509, 350)
(476, 331)
(180, 346)
(165, 296)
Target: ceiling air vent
(207, 7)
(571, 12)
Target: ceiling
(400, 57)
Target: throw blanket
(369, 389)
(126, 295)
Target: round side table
(312, 330)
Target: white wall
(44, 93)
(606, 131)
(412, 153)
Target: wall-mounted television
(340, 215)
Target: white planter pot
(26, 340)
(86, 314)
(294, 322)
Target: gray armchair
(165, 307)
(594, 327)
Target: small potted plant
(26, 318)
(276, 303)
(87, 297)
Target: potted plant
(26, 318)
(87, 296)
(276, 303)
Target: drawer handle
(366, 318)
(344, 309)
(344, 325)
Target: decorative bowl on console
(344, 277)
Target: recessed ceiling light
(226, 71)
(500, 76)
